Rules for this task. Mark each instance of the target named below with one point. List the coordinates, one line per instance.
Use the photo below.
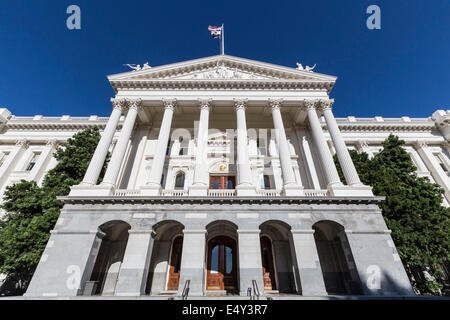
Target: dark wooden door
(222, 182)
(175, 263)
(221, 267)
(267, 264)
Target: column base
(91, 191)
(339, 190)
(198, 191)
(151, 190)
(293, 190)
(245, 190)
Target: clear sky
(402, 69)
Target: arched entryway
(222, 258)
(173, 278)
(277, 257)
(268, 267)
(165, 265)
(336, 259)
(221, 266)
(110, 256)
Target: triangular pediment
(221, 67)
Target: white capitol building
(221, 179)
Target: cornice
(221, 200)
(242, 85)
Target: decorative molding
(93, 200)
(23, 143)
(310, 104)
(421, 144)
(52, 143)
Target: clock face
(222, 167)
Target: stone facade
(221, 177)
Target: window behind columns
(33, 161)
(442, 162)
(3, 157)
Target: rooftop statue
(135, 67)
(307, 68)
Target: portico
(221, 179)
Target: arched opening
(267, 264)
(179, 181)
(277, 257)
(164, 271)
(336, 260)
(175, 264)
(222, 258)
(110, 256)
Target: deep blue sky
(402, 69)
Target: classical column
(153, 186)
(134, 270)
(348, 168)
(434, 167)
(308, 263)
(250, 263)
(39, 169)
(11, 161)
(112, 172)
(245, 185)
(200, 185)
(98, 159)
(291, 188)
(331, 174)
(193, 262)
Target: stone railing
(126, 193)
(174, 193)
(268, 193)
(315, 193)
(221, 192)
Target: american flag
(216, 32)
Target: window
(183, 147)
(33, 160)
(3, 157)
(162, 180)
(261, 147)
(179, 181)
(265, 182)
(441, 162)
(229, 184)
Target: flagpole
(223, 42)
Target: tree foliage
(412, 210)
(32, 210)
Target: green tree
(412, 210)
(32, 211)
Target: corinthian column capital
(170, 103)
(275, 103)
(23, 143)
(205, 103)
(326, 104)
(310, 104)
(134, 103)
(118, 103)
(240, 103)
